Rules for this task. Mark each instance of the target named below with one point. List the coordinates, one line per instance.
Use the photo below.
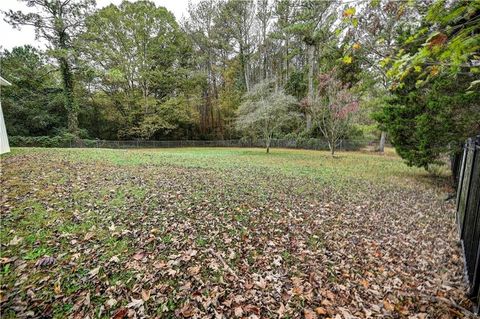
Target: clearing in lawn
(225, 233)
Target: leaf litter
(88, 239)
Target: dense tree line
(309, 68)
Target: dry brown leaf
(252, 309)
(261, 283)
(94, 272)
(187, 310)
(145, 294)
(388, 306)
(88, 236)
(57, 288)
(121, 313)
(110, 302)
(194, 270)
(309, 314)
(45, 261)
(135, 303)
(321, 311)
(238, 311)
(139, 255)
(281, 310)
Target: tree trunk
(244, 66)
(267, 142)
(68, 91)
(331, 146)
(311, 53)
(287, 65)
(455, 166)
(381, 146)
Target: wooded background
(332, 69)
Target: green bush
(64, 140)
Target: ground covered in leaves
(225, 233)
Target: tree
(313, 22)
(32, 105)
(448, 41)
(375, 29)
(424, 123)
(238, 18)
(58, 22)
(333, 109)
(173, 119)
(264, 14)
(433, 108)
(201, 29)
(265, 110)
(140, 57)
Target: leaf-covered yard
(225, 233)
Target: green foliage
(33, 104)
(64, 140)
(141, 69)
(433, 108)
(59, 23)
(265, 110)
(451, 46)
(130, 71)
(296, 85)
(170, 119)
(423, 123)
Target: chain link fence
(313, 144)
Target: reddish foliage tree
(333, 108)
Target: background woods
(360, 70)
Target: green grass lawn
(226, 232)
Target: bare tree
(333, 109)
(265, 110)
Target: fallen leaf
(187, 310)
(45, 261)
(364, 283)
(388, 306)
(238, 311)
(194, 270)
(261, 283)
(115, 259)
(321, 311)
(94, 272)
(139, 255)
(88, 236)
(159, 264)
(111, 302)
(281, 310)
(15, 241)
(252, 309)
(57, 288)
(145, 294)
(120, 314)
(309, 314)
(135, 303)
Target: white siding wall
(4, 147)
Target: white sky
(10, 37)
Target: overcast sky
(10, 37)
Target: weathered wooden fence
(468, 214)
